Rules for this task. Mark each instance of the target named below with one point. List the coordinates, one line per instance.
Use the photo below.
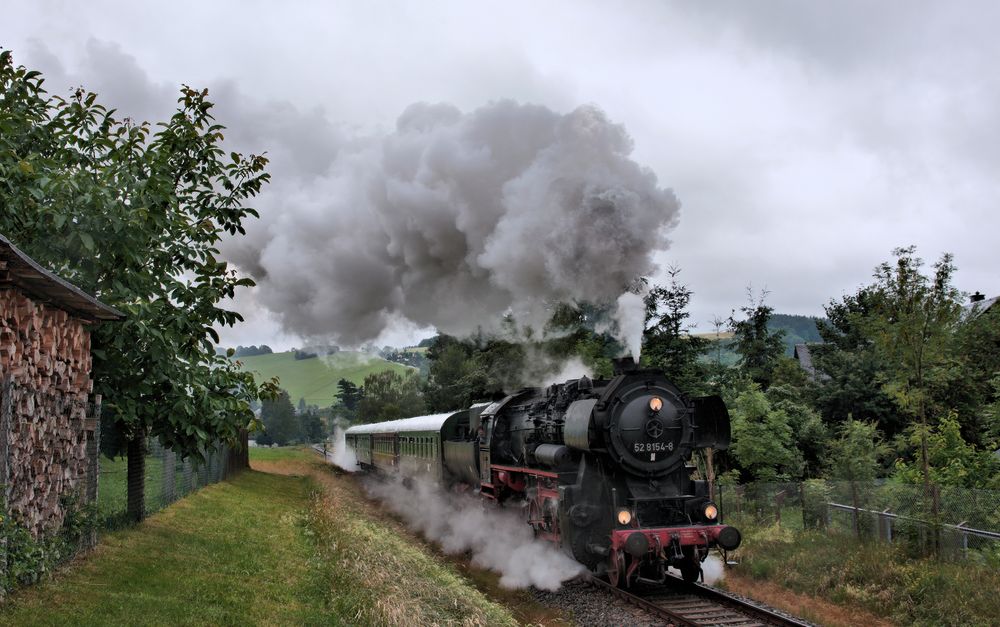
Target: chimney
(977, 297)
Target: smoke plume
(342, 455)
(453, 219)
(497, 539)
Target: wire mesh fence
(167, 478)
(947, 522)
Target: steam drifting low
(455, 218)
(498, 540)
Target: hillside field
(315, 379)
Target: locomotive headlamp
(656, 403)
(624, 516)
(710, 511)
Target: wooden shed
(48, 415)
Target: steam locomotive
(600, 467)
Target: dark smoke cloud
(454, 218)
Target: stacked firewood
(46, 354)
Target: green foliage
(951, 460)
(763, 442)
(27, 559)
(134, 217)
(758, 346)
(667, 343)
(252, 351)
(349, 394)
(281, 424)
(389, 395)
(855, 454)
(313, 429)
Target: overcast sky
(803, 140)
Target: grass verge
(233, 553)
(382, 577)
(877, 577)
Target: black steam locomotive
(600, 467)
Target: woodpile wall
(46, 420)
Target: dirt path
(802, 605)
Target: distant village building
(48, 421)
(979, 304)
(803, 355)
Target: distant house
(979, 304)
(803, 355)
(48, 421)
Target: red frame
(687, 536)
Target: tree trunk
(136, 508)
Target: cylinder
(553, 455)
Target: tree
(854, 457)
(667, 342)
(281, 423)
(390, 395)
(759, 348)
(348, 394)
(912, 327)
(135, 217)
(313, 429)
(763, 442)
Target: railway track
(698, 605)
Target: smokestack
(977, 297)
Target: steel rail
(751, 611)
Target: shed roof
(20, 270)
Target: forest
(904, 382)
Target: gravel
(594, 607)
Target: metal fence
(943, 521)
(168, 477)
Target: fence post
(186, 473)
(6, 416)
(169, 487)
(779, 500)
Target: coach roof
(433, 422)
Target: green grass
(233, 553)
(316, 379)
(281, 453)
(876, 576)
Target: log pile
(46, 352)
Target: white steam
(498, 539)
(712, 569)
(572, 368)
(454, 219)
(631, 316)
(342, 455)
